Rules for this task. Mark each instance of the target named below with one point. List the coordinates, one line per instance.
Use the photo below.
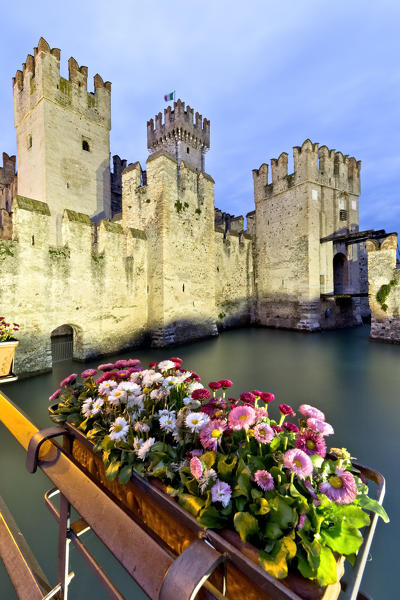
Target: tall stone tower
(294, 265)
(186, 139)
(173, 203)
(63, 141)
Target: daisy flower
(116, 397)
(264, 480)
(166, 365)
(241, 417)
(310, 411)
(87, 407)
(196, 420)
(137, 443)
(196, 468)
(167, 423)
(320, 426)
(311, 443)
(195, 385)
(145, 447)
(119, 429)
(221, 492)
(211, 434)
(298, 462)
(105, 387)
(88, 373)
(263, 433)
(55, 395)
(340, 488)
(97, 406)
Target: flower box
(140, 499)
(7, 352)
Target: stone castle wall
(382, 271)
(98, 289)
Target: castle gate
(340, 273)
(62, 343)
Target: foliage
(383, 293)
(227, 461)
(7, 330)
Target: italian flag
(169, 97)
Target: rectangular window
(343, 215)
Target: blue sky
(267, 75)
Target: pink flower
(263, 433)
(211, 434)
(200, 394)
(214, 385)
(176, 359)
(221, 492)
(192, 453)
(277, 428)
(196, 468)
(241, 417)
(106, 367)
(133, 362)
(209, 409)
(285, 409)
(302, 520)
(152, 364)
(261, 413)
(340, 488)
(55, 395)
(121, 364)
(310, 411)
(291, 427)
(298, 462)
(88, 373)
(225, 383)
(247, 397)
(311, 443)
(267, 397)
(320, 426)
(257, 393)
(68, 380)
(264, 480)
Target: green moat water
(355, 382)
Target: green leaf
(326, 573)
(353, 515)
(313, 551)
(316, 460)
(107, 443)
(83, 425)
(272, 531)
(369, 504)
(112, 470)
(304, 566)
(277, 565)
(260, 507)
(74, 418)
(274, 445)
(342, 538)
(245, 524)
(125, 474)
(283, 515)
(211, 519)
(208, 459)
(192, 504)
(226, 464)
(240, 503)
(243, 484)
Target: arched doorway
(62, 343)
(340, 278)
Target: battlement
(311, 163)
(40, 78)
(179, 124)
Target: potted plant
(268, 485)
(8, 345)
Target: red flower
(152, 364)
(286, 409)
(277, 429)
(291, 427)
(225, 383)
(214, 385)
(200, 394)
(267, 397)
(176, 359)
(257, 393)
(247, 397)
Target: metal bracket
(189, 571)
(35, 443)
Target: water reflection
(355, 382)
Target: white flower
(137, 443)
(135, 376)
(170, 382)
(167, 423)
(116, 397)
(196, 420)
(142, 452)
(185, 375)
(119, 429)
(208, 476)
(195, 385)
(190, 403)
(97, 406)
(150, 378)
(87, 407)
(165, 365)
(156, 394)
(130, 387)
(164, 411)
(105, 387)
(134, 401)
(141, 427)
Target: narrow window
(187, 149)
(33, 240)
(85, 146)
(29, 144)
(343, 215)
(183, 287)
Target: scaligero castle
(133, 256)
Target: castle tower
(294, 267)
(183, 134)
(62, 136)
(173, 203)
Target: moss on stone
(138, 234)
(66, 87)
(32, 205)
(6, 249)
(113, 227)
(77, 217)
(383, 293)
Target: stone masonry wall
(385, 324)
(99, 290)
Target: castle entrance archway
(340, 273)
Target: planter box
(7, 352)
(176, 529)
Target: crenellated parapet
(8, 182)
(40, 78)
(313, 164)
